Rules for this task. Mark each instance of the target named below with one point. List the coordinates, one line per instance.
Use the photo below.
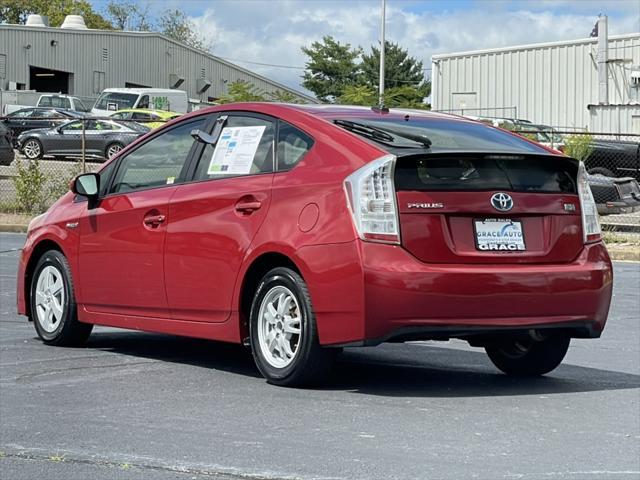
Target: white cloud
(273, 32)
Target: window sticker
(235, 150)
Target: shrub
(578, 146)
(29, 183)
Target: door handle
(154, 220)
(248, 206)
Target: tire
(527, 357)
(6, 158)
(112, 149)
(601, 171)
(53, 305)
(283, 291)
(32, 149)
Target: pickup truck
(614, 158)
(52, 101)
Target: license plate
(499, 234)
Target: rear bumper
(366, 293)
(405, 298)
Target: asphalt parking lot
(134, 405)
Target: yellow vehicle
(148, 117)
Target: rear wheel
(528, 357)
(283, 332)
(113, 149)
(32, 149)
(53, 304)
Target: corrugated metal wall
(550, 84)
(615, 118)
(140, 58)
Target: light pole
(382, 45)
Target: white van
(114, 99)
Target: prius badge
(425, 205)
(502, 201)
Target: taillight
(371, 197)
(590, 224)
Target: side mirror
(87, 185)
(58, 129)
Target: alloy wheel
(279, 326)
(31, 149)
(113, 149)
(50, 298)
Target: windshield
(80, 107)
(445, 134)
(115, 101)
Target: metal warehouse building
(83, 62)
(572, 84)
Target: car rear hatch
(483, 208)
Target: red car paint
(187, 275)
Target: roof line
(532, 46)
(91, 31)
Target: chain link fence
(46, 160)
(40, 155)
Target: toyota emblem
(502, 201)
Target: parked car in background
(304, 229)
(34, 117)
(66, 102)
(114, 99)
(614, 158)
(150, 118)
(103, 139)
(6, 146)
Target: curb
(13, 228)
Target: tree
(358, 95)
(331, 66)
(283, 96)
(176, 25)
(404, 75)
(17, 11)
(242, 91)
(126, 15)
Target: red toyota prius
(302, 229)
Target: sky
(273, 31)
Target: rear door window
(245, 147)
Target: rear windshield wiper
(382, 135)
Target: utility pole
(382, 45)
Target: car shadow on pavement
(167, 348)
(402, 370)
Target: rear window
(486, 172)
(446, 134)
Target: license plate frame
(499, 235)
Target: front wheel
(528, 357)
(283, 331)
(53, 304)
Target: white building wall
(550, 83)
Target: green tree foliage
(175, 24)
(241, 91)
(126, 15)
(283, 96)
(404, 75)
(17, 11)
(331, 66)
(358, 95)
(578, 146)
(337, 72)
